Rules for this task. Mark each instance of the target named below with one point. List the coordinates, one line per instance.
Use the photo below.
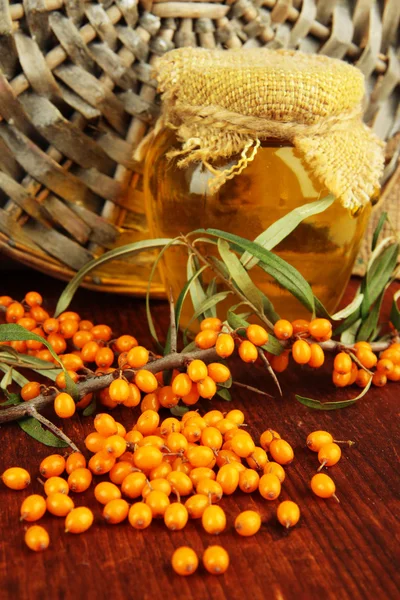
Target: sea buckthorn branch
(33, 412)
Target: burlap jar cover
(224, 103)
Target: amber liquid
(323, 247)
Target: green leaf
(378, 275)
(179, 411)
(320, 310)
(317, 405)
(16, 376)
(197, 293)
(378, 229)
(368, 327)
(12, 399)
(208, 303)
(284, 274)
(273, 345)
(279, 230)
(240, 276)
(183, 294)
(349, 335)
(189, 348)
(69, 291)
(224, 393)
(347, 323)
(50, 373)
(227, 384)
(6, 380)
(394, 312)
(237, 322)
(33, 428)
(349, 309)
(211, 291)
(90, 409)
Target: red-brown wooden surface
(338, 551)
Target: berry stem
(32, 412)
(251, 388)
(173, 334)
(269, 369)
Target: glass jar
(323, 247)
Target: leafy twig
(32, 412)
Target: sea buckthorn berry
(257, 335)
(196, 505)
(116, 511)
(39, 314)
(176, 442)
(317, 439)
(78, 520)
(288, 513)
(72, 362)
(94, 442)
(340, 380)
(218, 372)
(27, 323)
(132, 486)
(134, 396)
(147, 458)
(216, 560)
(181, 385)
(384, 365)
(115, 445)
(181, 464)
(150, 402)
(266, 438)
(119, 390)
(269, 486)
(317, 356)
(392, 353)
(379, 379)
(197, 370)
(257, 459)
(199, 456)
(30, 390)
(105, 491)
(14, 312)
(301, 352)
(59, 505)
(121, 431)
(248, 523)
(170, 425)
(192, 397)
(320, 329)
(236, 416)
(228, 479)
(199, 473)
(140, 515)
(184, 561)
(249, 480)
(213, 416)
(5, 301)
(180, 483)
(100, 463)
(362, 344)
(329, 455)
(395, 374)
(190, 414)
(125, 343)
(158, 502)
(138, 357)
(69, 314)
(55, 485)
(342, 363)
(225, 425)
(80, 338)
(213, 519)
(212, 438)
(146, 381)
(79, 480)
(68, 328)
(224, 345)
(57, 342)
(60, 379)
(64, 405)
(33, 344)
(281, 451)
(206, 339)
(152, 440)
(283, 329)
(162, 471)
(207, 388)
(52, 466)
(280, 363)
(176, 516)
(367, 358)
(148, 422)
(133, 436)
(363, 378)
(226, 457)
(300, 326)
(121, 470)
(161, 485)
(102, 332)
(353, 373)
(20, 346)
(33, 508)
(33, 299)
(323, 486)
(105, 425)
(166, 397)
(212, 323)
(248, 352)
(104, 357)
(89, 351)
(243, 445)
(37, 538)
(211, 489)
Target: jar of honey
(248, 136)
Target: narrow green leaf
(368, 327)
(6, 380)
(348, 336)
(349, 309)
(320, 310)
(279, 230)
(273, 345)
(90, 409)
(208, 303)
(239, 275)
(179, 411)
(50, 373)
(182, 296)
(269, 309)
(285, 275)
(378, 229)
(211, 291)
(395, 312)
(16, 376)
(317, 405)
(197, 293)
(224, 393)
(378, 275)
(126, 250)
(227, 384)
(189, 348)
(349, 322)
(33, 428)
(12, 399)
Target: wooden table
(338, 551)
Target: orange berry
(267, 436)
(104, 357)
(52, 466)
(248, 352)
(210, 488)
(329, 455)
(249, 481)
(147, 458)
(320, 329)
(176, 442)
(213, 519)
(392, 353)
(37, 538)
(105, 491)
(119, 390)
(33, 299)
(89, 351)
(182, 385)
(342, 363)
(275, 469)
(192, 397)
(206, 339)
(341, 380)
(5, 301)
(197, 370)
(146, 381)
(384, 365)
(199, 473)
(125, 343)
(367, 358)
(395, 374)
(55, 485)
(105, 424)
(218, 372)
(69, 314)
(76, 460)
(362, 344)
(72, 362)
(176, 516)
(224, 345)
(228, 478)
(57, 342)
(212, 438)
(148, 422)
(257, 459)
(16, 478)
(248, 523)
(33, 508)
(150, 402)
(33, 344)
(102, 332)
(80, 338)
(280, 363)
(288, 514)
(64, 405)
(180, 483)
(30, 390)
(100, 463)
(85, 325)
(257, 335)
(79, 480)
(27, 323)
(236, 416)
(160, 472)
(94, 442)
(216, 560)
(317, 439)
(211, 323)
(116, 511)
(317, 356)
(133, 485)
(14, 312)
(138, 357)
(158, 502)
(38, 314)
(140, 515)
(363, 378)
(281, 452)
(68, 328)
(301, 352)
(283, 329)
(207, 388)
(60, 379)
(323, 486)
(379, 379)
(243, 445)
(353, 373)
(300, 326)
(196, 505)
(199, 456)
(59, 505)
(269, 486)
(78, 520)
(184, 561)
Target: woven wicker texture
(77, 96)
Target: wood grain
(346, 550)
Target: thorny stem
(251, 388)
(269, 369)
(32, 412)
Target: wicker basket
(77, 96)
